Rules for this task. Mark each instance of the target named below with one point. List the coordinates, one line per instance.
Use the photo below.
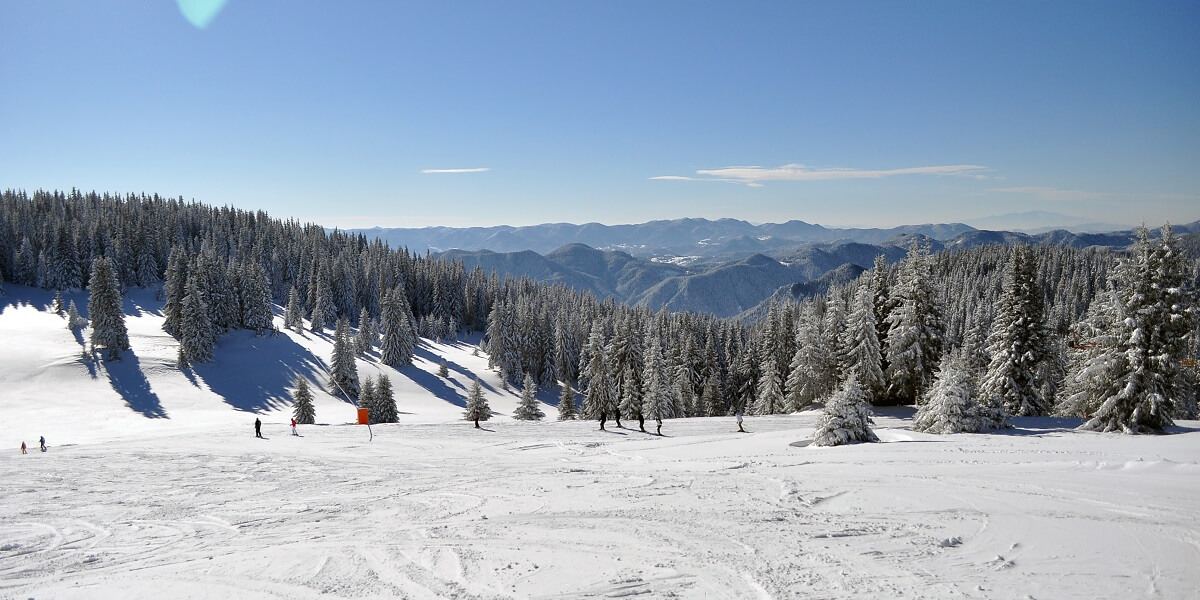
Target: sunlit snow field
(155, 487)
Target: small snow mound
(952, 542)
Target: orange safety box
(364, 416)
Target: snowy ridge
(154, 487)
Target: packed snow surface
(154, 486)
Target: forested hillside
(1021, 330)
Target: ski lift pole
(339, 387)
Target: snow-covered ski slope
(155, 487)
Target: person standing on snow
(23, 447)
(294, 426)
(659, 421)
(475, 415)
(739, 420)
(42, 442)
(257, 428)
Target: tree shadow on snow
(425, 353)
(434, 385)
(257, 374)
(127, 379)
(1036, 426)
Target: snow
(168, 494)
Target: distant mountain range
(727, 268)
(680, 238)
(1040, 221)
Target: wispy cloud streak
(752, 175)
(444, 171)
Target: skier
(475, 415)
(739, 420)
(23, 447)
(294, 426)
(603, 418)
(642, 422)
(257, 428)
(42, 442)
(618, 414)
(659, 421)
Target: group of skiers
(475, 417)
(41, 443)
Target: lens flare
(200, 12)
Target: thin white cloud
(443, 171)
(1051, 194)
(754, 176)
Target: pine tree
(343, 375)
(1138, 384)
(257, 314)
(399, 339)
(362, 340)
(847, 417)
(443, 370)
(74, 321)
(303, 411)
(862, 344)
(594, 376)
(294, 316)
(566, 403)
(58, 303)
(366, 399)
(385, 401)
(950, 406)
(477, 403)
(915, 330)
(769, 400)
(657, 394)
(1018, 342)
(104, 307)
(197, 336)
(527, 409)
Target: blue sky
(402, 114)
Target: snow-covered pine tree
(362, 339)
(915, 330)
(104, 308)
(527, 409)
(58, 305)
(1018, 342)
(197, 336)
(477, 403)
(1140, 383)
(847, 417)
(443, 369)
(319, 311)
(399, 340)
(303, 410)
(950, 405)
(257, 315)
(566, 403)
(74, 321)
(385, 401)
(769, 399)
(293, 316)
(366, 399)
(656, 399)
(594, 376)
(862, 344)
(343, 374)
(810, 379)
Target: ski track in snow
(446, 511)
